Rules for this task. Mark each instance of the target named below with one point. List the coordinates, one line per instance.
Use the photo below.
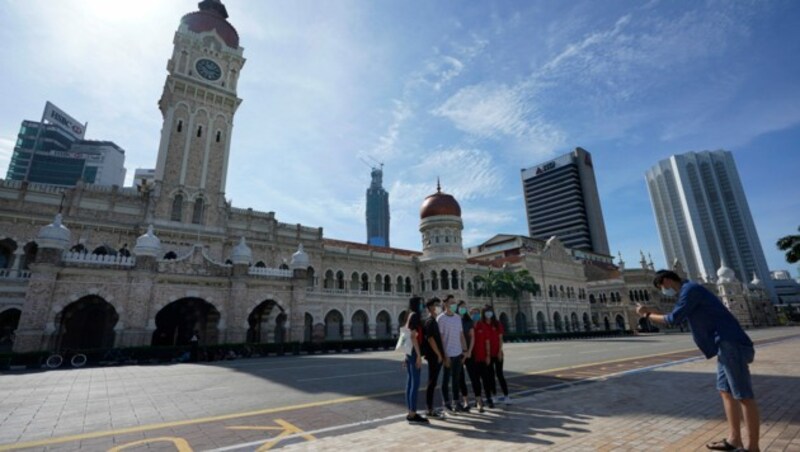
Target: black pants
(474, 378)
(451, 374)
(496, 368)
(434, 366)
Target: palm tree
(488, 285)
(514, 284)
(506, 283)
(790, 244)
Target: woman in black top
(413, 362)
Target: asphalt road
(70, 403)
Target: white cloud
(487, 110)
(6, 150)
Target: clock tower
(198, 105)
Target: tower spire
(438, 185)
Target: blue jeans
(452, 374)
(412, 383)
(733, 372)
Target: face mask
(668, 292)
(476, 317)
(462, 311)
(489, 314)
(421, 307)
(453, 307)
(437, 310)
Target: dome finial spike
(438, 185)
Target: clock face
(208, 69)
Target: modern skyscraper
(377, 210)
(561, 199)
(703, 217)
(53, 151)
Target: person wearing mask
(481, 352)
(495, 335)
(467, 322)
(454, 346)
(716, 332)
(413, 362)
(433, 352)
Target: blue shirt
(709, 319)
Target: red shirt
(482, 333)
(495, 331)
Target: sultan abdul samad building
(196, 263)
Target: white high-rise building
(703, 216)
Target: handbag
(404, 344)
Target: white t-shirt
(450, 328)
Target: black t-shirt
(466, 325)
(431, 329)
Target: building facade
(561, 199)
(93, 267)
(54, 151)
(377, 210)
(703, 217)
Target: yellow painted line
(288, 430)
(144, 428)
(598, 363)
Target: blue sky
(468, 91)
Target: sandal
(722, 444)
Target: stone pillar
(296, 320)
(36, 322)
(140, 314)
(15, 268)
(347, 332)
(372, 329)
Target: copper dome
(439, 204)
(212, 16)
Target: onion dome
(725, 274)
(212, 16)
(300, 259)
(148, 244)
(54, 235)
(242, 254)
(439, 204)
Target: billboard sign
(55, 115)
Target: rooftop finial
(438, 185)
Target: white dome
(299, 259)
(54, 235)
(148, 244)
(242, 254)
(725, 274)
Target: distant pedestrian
(454, 346)
(433, 351)
(494, 333)
(194, 343)
(413, 361)
(717, 333)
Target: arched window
(180, 126)
(364, 282)
(219, 135)
(170, 255)
(177, 208)
(422, 282)
(408, 284)
(197, 215)
(199, 131)
(454, 276)
(340, 280)
(445, 280)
